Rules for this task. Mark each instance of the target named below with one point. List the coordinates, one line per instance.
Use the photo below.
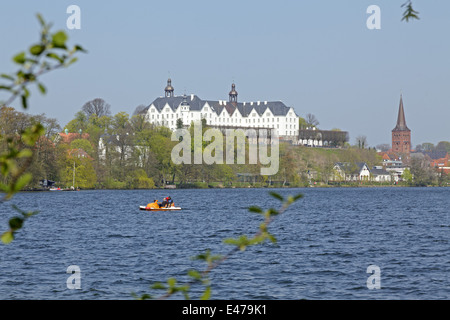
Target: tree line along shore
(97, 150)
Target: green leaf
(26, 92)
(20, 58)
(271, 238)
(25, 215)
(242, 242)
(36, 50)
(207, 294)
(145, 296)
(171, 282)
(158, 286)
(22, 181)
(7, 76)
(4, 187)
(59, 39)
(298, 196)
(73, 60)
(7, 237)
(194, 274)
(276, 195)
(41, 20)
(16, 223)
(31, 135)
(80, 48)
(203, 256)
(255, 209)
(25, 153)
(24, 102)
(55, 56)
(42, 89)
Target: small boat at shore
(146, 208)
(61, 189)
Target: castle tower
(169, 89)
(401, 135)
(233, 93)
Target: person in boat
(169, 202)
(165, 202)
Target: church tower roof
(401, 122)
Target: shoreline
(250, 187)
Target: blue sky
(316, 56)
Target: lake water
(326, 242)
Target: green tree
(79, 170)
(427, 147)
(407, 176)
(180, 123)
(80, 122)
(82, 144)
(302, 123)
(443, 146)
(422, 173)
(139, 180)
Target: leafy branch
(214, 261)
(49, 54)
(9, 160)
(409, 13)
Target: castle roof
(277, 108)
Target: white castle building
(165, 111)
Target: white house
(346, 171)
(167, 110)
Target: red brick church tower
(401, 135)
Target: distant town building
(359, 171)
(171, 110)
(380, 174)
(113, 143)
(401, 134)
(313, 137)
(439, 159)
(68, 137)
(393, 163)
